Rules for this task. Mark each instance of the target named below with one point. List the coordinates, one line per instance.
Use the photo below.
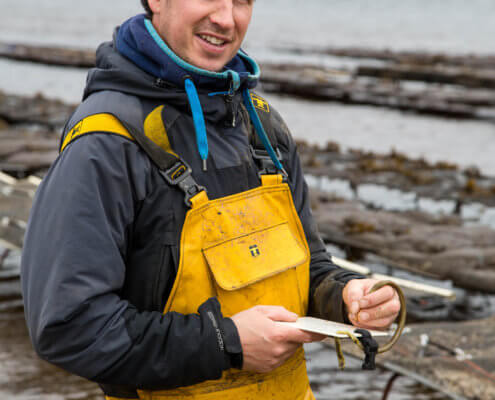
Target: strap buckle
(370, 347)
(180, 174)
(267, 167)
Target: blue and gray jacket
(102, 245)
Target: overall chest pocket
(259, 268)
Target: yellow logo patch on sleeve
(260, 103)
(96, 123)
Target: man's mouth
(213, 40)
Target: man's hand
(265, 344)
(370, 311)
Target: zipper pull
(230, 103)
(234, 112)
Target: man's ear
(154, 6)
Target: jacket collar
(138, 41)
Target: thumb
(353, 292)
(277, 313)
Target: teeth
(212, 40)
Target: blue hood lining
(138, 41)
(156, 58)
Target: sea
(450, 26)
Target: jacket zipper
(229, 102)
(231, 109)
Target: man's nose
(223, 15)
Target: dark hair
(147, 7)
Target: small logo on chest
(255, 251)
(260, 103)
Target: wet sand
(24, 376)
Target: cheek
(176, 36)
(242, 20)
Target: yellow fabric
(118, 398)
(154, 129)
(267, 180)
(308, 396)
(260, 103)
(246, 249)
(253, 257)
(97, 123)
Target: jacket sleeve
(73, 267)
(327, 280)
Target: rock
(463, 254)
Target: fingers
(286, 333)
(382, 295)
(375, 310)
(377, 317)
(299, 336)
(353, 292)
(266, 344)
(316, 337)
(277, 313)
(379, 324)
(385, 310)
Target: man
(159, 282)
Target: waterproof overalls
(246, 249)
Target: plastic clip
(267, 167)
(370, 347)
(180, 174)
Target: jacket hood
(139, 62)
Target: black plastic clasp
(180, 174)
(266, 165)
(370, 349)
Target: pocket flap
(251, 258)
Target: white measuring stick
(328, 328)
(421, 287)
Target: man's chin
(210, 65)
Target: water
(460, 27)
(439, 25)
(462, 142)
(398, 200)
(380, 130)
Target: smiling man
(174, 231)
(207, 34)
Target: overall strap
(258, 151)
(118, 113)
(155, 142)
(272, 180)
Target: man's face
(205, 33)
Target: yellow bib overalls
(246, 249)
